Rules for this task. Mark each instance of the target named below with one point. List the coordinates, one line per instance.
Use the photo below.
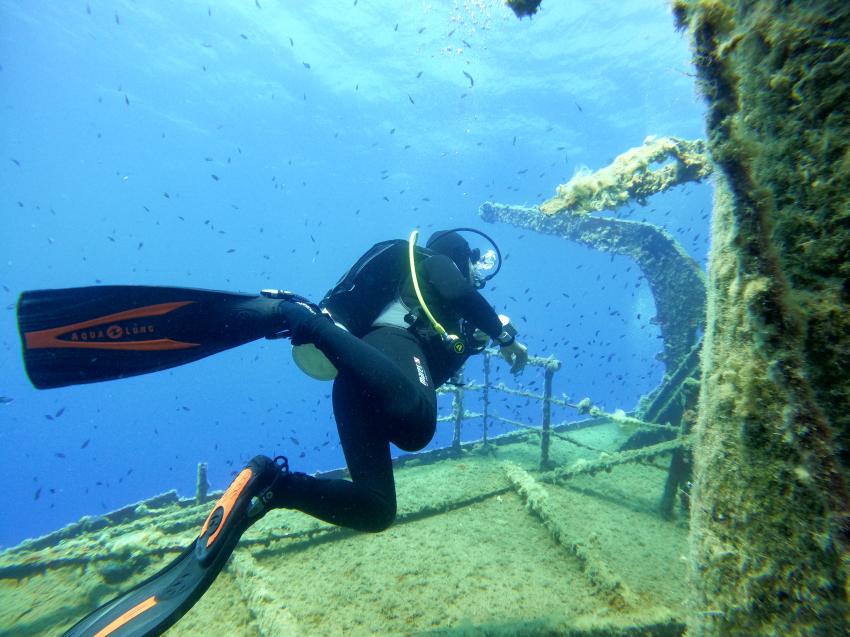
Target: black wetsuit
(384, 393)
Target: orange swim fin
(157, 603)
(84, 335)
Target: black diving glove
(516, 355)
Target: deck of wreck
(484, 544)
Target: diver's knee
(381, 524)
(413, 435)
(381, 520)
(412, 428)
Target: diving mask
(482, 267)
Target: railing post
(486, 396)
(202, 484)
(545, 463)
(457, 409)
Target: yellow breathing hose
(411, 244)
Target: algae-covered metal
(771, 515)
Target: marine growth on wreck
(675, 278)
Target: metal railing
(457, 388)
(547, 429)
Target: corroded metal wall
(770, 508)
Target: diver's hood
(452, 245)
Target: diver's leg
(368, 502)
(369, 367)
(409, 417)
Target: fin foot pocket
(297, 313)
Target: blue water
(328, 126)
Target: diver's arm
(454, 289)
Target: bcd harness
(369, 295)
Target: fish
(59, 412)
(418, 75)
(117, 19)
(578, 107)
(291, 42)
(231, 251)
(421, 30)
(257, 2)
(215, 177)
(5, 400)
(37, 494)
(395, 28)
(85, 443)
(469, 77)
(126, 100)
(59, 454)
(17, 163)
(410, 98)
(306, 65)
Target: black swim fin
(85, 335)
(157, 603)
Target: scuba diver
(376, 334)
